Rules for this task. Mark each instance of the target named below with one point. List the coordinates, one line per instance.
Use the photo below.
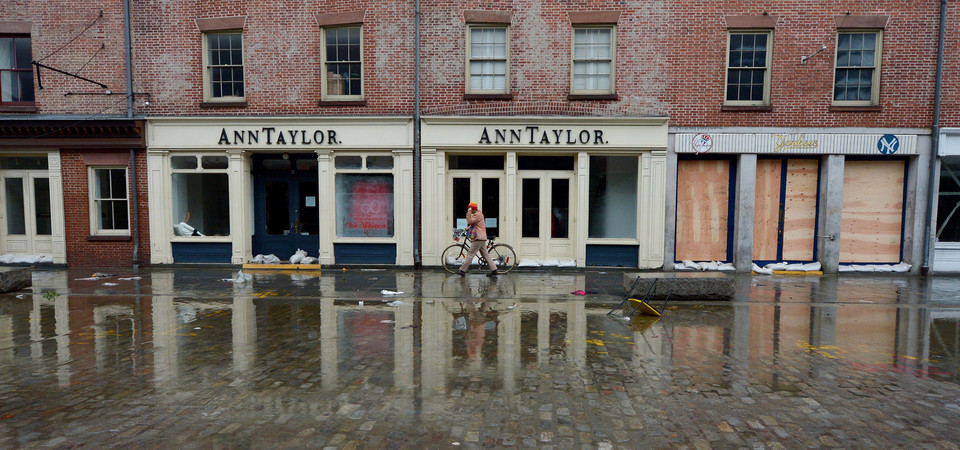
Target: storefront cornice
(564, 120)
(800, 130)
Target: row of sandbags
(300, 257)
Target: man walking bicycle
(477, 232)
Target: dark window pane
(744, 92)
(16, 221)
(120, 215)
(461, 198)
(560, 209)
(843, 42)
(736, 42)
(530, 204)
(731, 92)
(528, 162)
(217, 91)
(26, 87)
(757, 93)
(118, 183)
(477, 162)
(41, 194)
(277, 207)
(760, 59)
(23, 53)
(761, 42)
(236, 58)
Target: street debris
(386, 292)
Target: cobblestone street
(182, 358)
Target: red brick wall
(540, 53)
(950, 96)
(282, 56)
(76, 201)
(55, 24)
(801, 94)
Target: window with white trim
(108, 201)
(201, 195)
(342, 63)
(223, 66)
(857, 75)
(364, 195)
(592, 70)
(487, 60)
(748, 68)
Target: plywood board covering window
(800, 210)
(766, 212)
(872, 211)
(703, 195)
(790, 206)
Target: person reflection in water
(476, 330)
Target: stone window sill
(488, 96)
(18, 109)
(874, 108)
(223, 105)
(109, 238)
(747, 108)
(342, 103)
(575, 97)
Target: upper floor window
(593, 59)
(748, 68)
(342, 63)
(16, 74)
(223, 62)
(857, 75)
(487, 61)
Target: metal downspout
(417, 207)
(935, 147)
(133, 161)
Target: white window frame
(469, 59)
(94, 204)
(874, 82)
(208, 82)
(324, 88)
(613, 60)
(199, 169)
(765, 101)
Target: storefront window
(364, 205)
(948, 206)
(201, 196)
(613, 197)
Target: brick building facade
(732, 133)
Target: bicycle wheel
(452, 257)
(504, 256)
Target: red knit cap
(473, 205)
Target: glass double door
(25, 218)
(286, 207)
(485, 188)
(546, 226)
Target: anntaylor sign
(534, 135)
(275, 136)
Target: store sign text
(534, 135)
(784, 143)
(271, 136)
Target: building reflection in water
(424, 350)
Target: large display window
(613, 197)
(364, 195)
(948, 201)
(201, 195)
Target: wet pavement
(179, 357)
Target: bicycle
(453, 256)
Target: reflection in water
(433, 356)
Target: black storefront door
(286, 209)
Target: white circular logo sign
(702, 143)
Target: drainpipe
(935, 147)
(417, 207)
(133, 161)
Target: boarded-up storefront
(785, 212)
(703, 210)
(872, 220)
